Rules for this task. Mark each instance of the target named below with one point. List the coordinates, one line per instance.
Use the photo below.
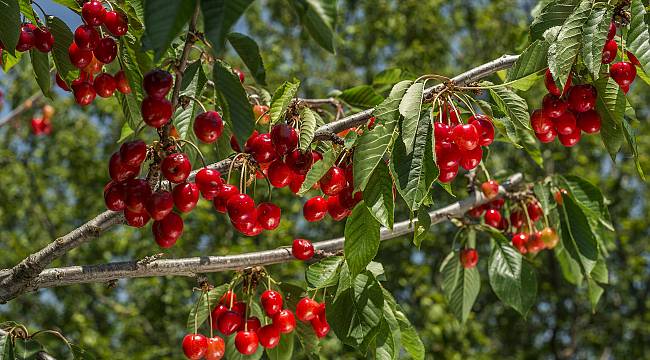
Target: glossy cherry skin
(582, 98)
(477, 212)
(116, 23)
(465, 136)
(221, 199)
(86, 37)
(252, 324)
(279, 174)
(633, 59)
(553, 106)
(136, 219)
(565, 124)
(246, 342)
(540, 123)
(122, 82)
(519, 241)
(468, 258)
(552, 88)
(612, 31)
(106, 50)
(315, 209)
(208, 126)
(549, 237)
(157, 82)
(43, 39)
(176, 167)
(490, 189)
(230, 297)
(623, 73)
(609, 52)
(159, 204)
(186, 196)
(133, 153)
(195, 346)
(285, 138)
(447, 155)
(156, 111)
(115, 196)
(239, 204)
(137, 194)
(302, 249)
(26, 38)
(535, 243)
(268, 216)
(216, 348)
(229, 322)
(262, 148)
(209, 182)
(296, 182)
(93, 13)
(300, 162)
(336, 210)
(589, 122)
(119, 171)
(285, 321)
(441, 131)
(269, 336)
(547, 137)
(447, 174)
(517, 218)
(493, 217)
(471, 159)
(348, 200)
(333, 182)
(104, 85)
(535, 211)
(306, 309)
(240, 74)
(485, 129)
(320, 326)
(271, 302)
(61, 83)
(84, 92)
(570, 139)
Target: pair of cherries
(623, 72)
(43, 125)
(32, 36)
(310, 310)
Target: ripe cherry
(633, 59)
(176, 167)
(306, 309)
(271, 302)
(485, 129)
(558, 196)
(570, 140)
(195, 346)
(115, 196)
(549, 237)
(320, 326)
(279, 174)
(135, 218)
(465, 136)
(269, 336)
(104, 85)
(116, 23)
(519, 241)
(159, 204)
(336, 210)
(349, 201)
(26, 37)
(565, 124)
(535, 243)
(477, 211)
(262, 148)
(517, 218)
(216, 313)
(540, 123)
(252, 324)
(553, 106)
(333, 182)
(84, 92)
(239, 204)
(133, 153)
(285, 321)
(93, 13)
(623, 73)
(315, 209)
(157, 82)
(229, 322)
(122, 82)
(470, 159)
(209, 182)
(185, 195)
(469, 258)
(547, 137)
(302, 249)
(285, 138)
(156, 111)
(78, 57)
(137, 194)
(447, 174)
(86, 37)
(208, 126)
(490, 189)
(230, 297)
(609, 51)
(43, 39)
(582, 98)
(94, 67)
(119, 171)
(221, 199)
(296, 182)
(268, 216)
(535, 211)
(106, 50)
(612, 31)
(552, 87)
(61, 83)
(300, 162)
(240, 74)
(447, 155)
(246, 342)
(216, 348)
(441, 132)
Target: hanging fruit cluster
(33, 36)
(42, 125)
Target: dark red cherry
(209, 182)
(540, 122)
(122, 82)
(106, 50)
(553, 106)
(271, 302)
(159, 204)
(43, 39)
(348, 200)
(517, 218)
(447, 174)
(239, 204)
(230, 297)
(570, 140)
(441, 132)
(306, 309)
(268, 216)
(84, 92)
(447, 155)
(252, 324)
(552, 87)
(157, 82)
(582, 98)
(477, 211)
(240, 74)
(633, 59)
(119, 171)
(176, 167)
(285, 138)
(547, 137)
(26, 38)
(93, 13)
(333, 182)
(279, 174)
(336, 210)
(315, 209)
(612, 31)
(284, 321)
(61, 83)
(485, 129)
(565, 124)
(302, 249)
(156, 111)
(167, 231)
(469, 258)
(296, 182)
(519, 241)
(490, 189)
(115, 196)
(136, 219)
(221, 199)
(269, 336)
(493, 217)
(623, 73)
(195, 346)
(185, 195)
(300, 162)
(116, 23)
(133, 153)
(86, 37)
(465, 136)
(208, 126)
(216, 348)
(239, 307)
(589, 121)
(535, 211)
(246, 342)
(470, 159)
(216, 314)
(229, 322)
(535, 243)
(609, 51)
(104, 85)
(137, 194)
(262, 148)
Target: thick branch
(26, 105)
(16, 280)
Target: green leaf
(409, 336)
(611, 104)
(324, 273)
(411, 109)
(570, 268)
(461, 286)
(318, 170)
(41, 67)
(357, 310)
(422, 226)
(595, 292)
(577, 237)
(219, 16)
(630, 136)
(193, 84)
(319, 18)
(373, 145)
(201, 312)
(362, 96)
(130, 103)
(63, 39)
(387, 340)
(587, 196)
(9, 61)
(237, 111)
(553, 14)
(563, 52)
(310, 343)
(594, 36)
(361, 239)
(26, 10)
(391, 76)
(307, 127)
(163, 21)
(531, 145)
(638, 36)
(9, 24)
(526, 70)
(79, 353)
(125, 132)
(249, 52)
(281, 100)
(512, 105)
(378, 196)
(284, 350)
(6, 348)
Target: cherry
(240, 74)
(547, 137)
(336, 210)
(540, 123)
(300, 162)
(268, 216)
(497, 203)
(216, 348)
(441, 132)
(465, 136)
(570, 140)
(136, 219)
(490, 189)
(137, 193)
(535, 211)
(306, 309)
(519, 241)
(239, 307)
(252, 324)
(194, 345)
(302, 249)
(26, 38)
(157, 83)
(104, 85)
(43, 39)
(208, 126)
(469, 258)
(271, 302)
(447, 174)
(159, 204)
(116, 23)
(94, 67)
(279, 174)
(221, 199)
(582, 97)
(239, 204)
(558, 196)
(168, 230)
(216, 313)
(285, 138)
(316, 156)
(549, 237)
(78, 57)
(612, 31)
(284, 321)
(553, 106)
(229, 322)
(246, 342)
(552, 87)
(119, 171)
(209, 182)
(261, 146)
(61, 83)
(470, 159)
(133, 153)
(348, 200)
(114, 196)
(176, 167)
(122, 82)
(476, 212)
(565, 124)
(296, 182)
(93, 13)
(320, 326)
(156, 111)
(333, 182)
(185, 195)
(86, 37)
(315, 209)
(485, 129)
(269, 336)
(517, 218)
(84, 92)
(262, 113)
(106, 50)
(447, 155)
(535, 243)
(609, 52)
(623, 73)
(633, 59)
(228, 298)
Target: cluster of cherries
(43, 125)
(89, 52)
(459, 144)
(34, 37)
(623, 72)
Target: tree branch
(209, 264)
(26, 105)
(14, 281)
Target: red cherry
(122, 82)
(633, 59)
(306, 309)
(553, 106)
(216, 348)
(485, 129)
(106, 50)
(535, 243)
(279, 174)
(302, 249)
(490, 189)
(296, 182)
(157, 83)
(447, 155)
(208, 126)
(582, 98)
(300, 162)
(349, 201)
(465, 136)
(78, 57)
(447, 174)
(570, 140)
(221, 199)
(229, 322)
(268, 216)
(185, 195)
(547, 137)
(84, 92)
(336, 210)
(239, 204)
(519, 241)
(589, 122)
(136, 219)
(43, 39)
(176, 167)
(565, 124)
(228, 298)
(535, 211)
(497, 203)
(240, 74)
(104, 85)
(269, 336)
(252, 324)
(552, 87)
(333, 182)
(246, 342)
(133, 153)
(476, 212)
(315, 209)
(61, 83)
(209, 182)
(261, 146)
(441, 132)
(195, 346)
(540, 123)
(271, 302)
(285, 321)
(612, 31)
(115, 196)
(86, 37)
(469, 258)
(119, 171)
(493, 217)
(517, 218)
(285, 138)
(137, 194)
(93, 13)
(159, 204)
(26, 38)
(116, 23)
(470, 159)
(316, 156)
(609, 52)
(216, 313)
(168, 230)
(623, 73)
(320, 326)
(156, 111)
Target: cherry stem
(196, 314)
(485, 170)
(432, 77)
(232, 165)
(110, 5)
(530, 226)
(455, 109)
(207, 300)
(43, 11)
(197, 150)
(197, 101)
(471, 109)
